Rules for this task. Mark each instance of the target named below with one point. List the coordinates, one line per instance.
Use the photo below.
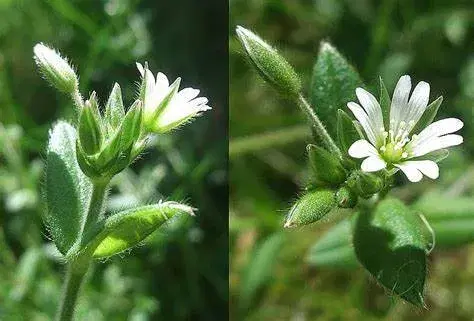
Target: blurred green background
(272, 275)
(180, 276)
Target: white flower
(399, 147)
(166, 108)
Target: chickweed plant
(82, 157)
(354, 161)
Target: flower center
(394, 144)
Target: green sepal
(327, 167)
(152, 120)
(333, 85)
(428, 116)
(90, 131)
(86, 162)
(67, 189)
(390, 244)
(117, 153)
(128, 228)
(347, 132)
(270, 64)
(346, 197)
(385, 104)
(311, 207)
(114, 109)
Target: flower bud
(345, 197)
(365, 184)
(90, 131)
(55, 68)
(311, 207)
(270, 64)
(326, 166)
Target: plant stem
(318, 126)
(77, 268)
(72, 285)
(96, 204)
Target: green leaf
(90, 133)
(67, 189)
(347, 132)
(385, 104)
(311, 207)
(428, 116)
(326, 166)
(259, 269)
(389, 243)
(128, 228)
(334, 82)
(333, 249)
(114, 109)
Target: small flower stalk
(165, 106)
(406, 141)
(270, 64)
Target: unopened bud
(310, 208)
(55, 68)
(271, 65)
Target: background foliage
(274, 276)
(180, 276)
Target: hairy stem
(318, 126)
(72, 285)
(96, 204)
(77, 268)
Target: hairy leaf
(68, 190)
(128, 228)
(390, 244)
(333, 85)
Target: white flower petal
(436, 144)
(162, 82)
(411, 172)
(362, 149)
(188, 94)
(417, 104)
(373, 164)
(427, 167)
(364, 120)
(439, 128)
(373, 110)
(399, 101)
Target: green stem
(72, 285)
(77, 268)
(318, 126)
(96, 204)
